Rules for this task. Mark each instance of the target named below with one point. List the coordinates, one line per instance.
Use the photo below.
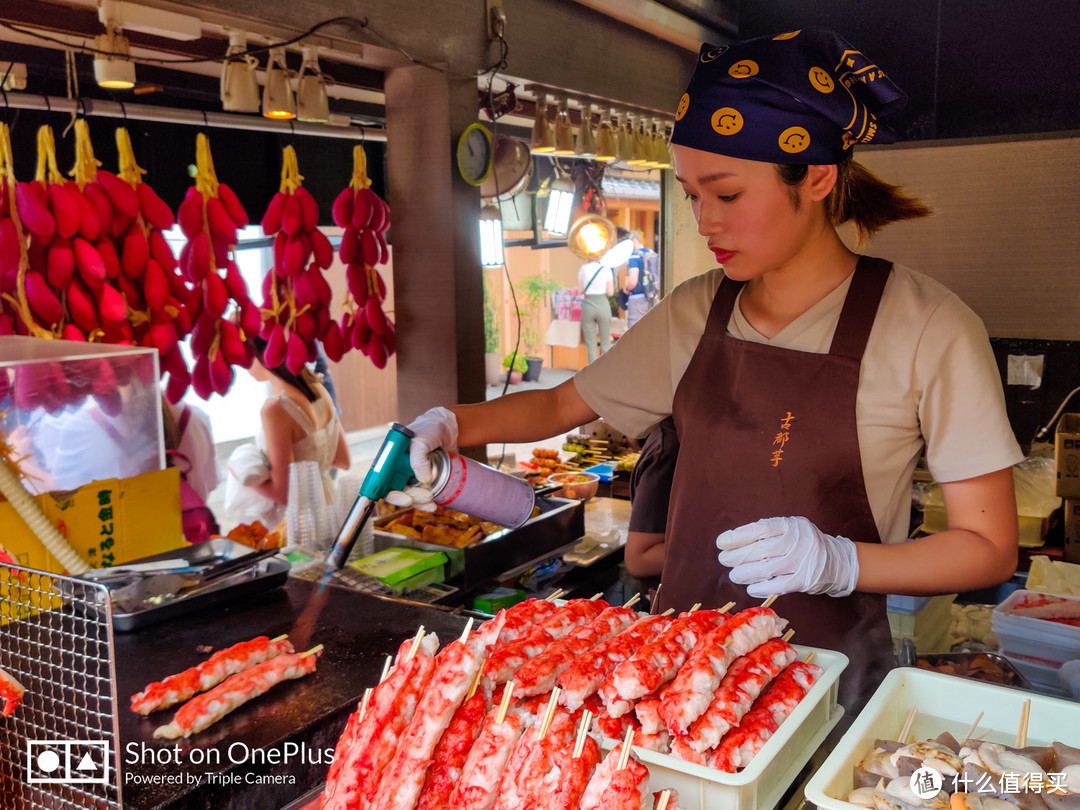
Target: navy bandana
(805, 97)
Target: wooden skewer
(476, 681)
(583, 732)
(668, 612)
(787, 636)
(726, 607)
(1021, 734)
(656, 593)
(466, 631)
(768, 602)
(633, 600)
(364, 702)
(318, 648)
(386, 668)
(627, 744)
(809, 658)
(508, 691)
(973, 729)
(596, 596)
(549, 712)
(551, 597)
(282, 637)
(662, 802)
(415, 644)
(694, 607)
(907, 725)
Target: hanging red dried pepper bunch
(296, 295)
(365, 218)
(209, 216)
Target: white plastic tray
(946, 703)
(1024, 635)
(762, 784)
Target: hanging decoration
(209, 217)
(296, 296)
(365, 218)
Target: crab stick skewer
(11, 692)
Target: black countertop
(278, 746)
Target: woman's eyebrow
(709, 178)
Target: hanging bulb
(642, 157)
(116, 71)
(560, 207)
(606, 145)
(542, 138)
(625, 141)
(491, 237)
(660, 145)
(564, 130)
(312, 103)
(239, 86)
(586, 144)
(278, 99)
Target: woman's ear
(820, 180)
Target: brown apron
(771, 432)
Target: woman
(650, 491)
(297, 422)
(804, 380)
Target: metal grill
(60, 747)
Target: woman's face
(745, 211)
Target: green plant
(532, 294)
(519, 363)
(491, 322)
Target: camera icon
(67, 762)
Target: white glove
(788, 555)
(432, 429)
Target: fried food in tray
(444, 527)
(987, 667)
(257, 536)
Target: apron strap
(722, 306)
(860, 307)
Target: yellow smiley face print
(821, 80)
(849, 140)
(713, 53)
(743, 69)
(727, 121)
(788, 35)
(794, 140)
(684, 105)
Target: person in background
(804, 379)
(642, 276)
(322, 372)
(650, 491)
(297, 422)
(189, 446)
(597, 283)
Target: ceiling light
(624, 141)
(542, 138)
(113, 67)
(559, 208)
(311, 102)
(14, 74)
(491, 237)
(586, 142)
(239, 86)
(591, 237)
(606, 146)
(642, 153)
(278, 100)
(661, 150)
(564, 131)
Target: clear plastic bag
(1035, 480)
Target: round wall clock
(474, 154)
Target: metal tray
(263, 576)
(560, 523)
(1010, 674)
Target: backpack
(650, 276)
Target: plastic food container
(574, 486)
(945, 703)
(763, 783)
(1049, 642)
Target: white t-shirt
(598, 285)
(928, 375)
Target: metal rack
(60, 747)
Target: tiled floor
(364, 444)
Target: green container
(396, 566)
(498, 599)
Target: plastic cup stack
(306, 512)
(347, 488)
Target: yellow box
(1067, 455)
(107, 522)
(1072, 530)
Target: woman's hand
(789, 555)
